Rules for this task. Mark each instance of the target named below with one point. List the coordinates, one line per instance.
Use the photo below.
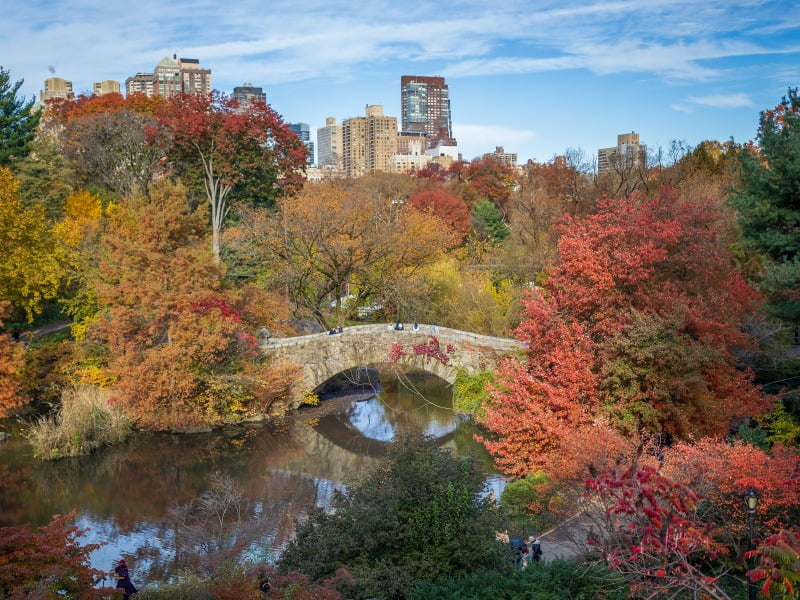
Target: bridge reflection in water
(124, 494)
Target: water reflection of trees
(124, 493)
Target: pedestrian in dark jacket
(123, 579)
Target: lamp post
(751, 497)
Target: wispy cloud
(724, 100)
(678, 39)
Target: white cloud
(724, 100)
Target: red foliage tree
(721, 471)
(646, 530)
(449, 207)
(48, 562)
(779, 565)
(490, 179)
(634, 329)
(534, 404)
(217, 146)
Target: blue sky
(536, 77)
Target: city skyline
(566, 75)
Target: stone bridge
(438, 350)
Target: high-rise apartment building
(55, 87)
(303, 131)
(246, 94)
(508, 159)
(170, 77)
(194, 80)
(141, 83)
(627, 154)
(107, 86)
(425, 106)
(167, 77)
(329, 145)
(369, 142)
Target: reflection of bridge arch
(323, 356)
(351, 439)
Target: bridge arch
(322, 356)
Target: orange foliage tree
(633, 330)
(721, 472)
(451, 209)
(11, 363)
(335, 235)
(177, 346)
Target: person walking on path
(123, 579)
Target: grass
(84, 422)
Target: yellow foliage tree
(32, 268)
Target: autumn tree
(720, 472)
(11, 363)
(105, 140)
(646, 529)
(448, 207)
(634, 330)
(18, 121)
(778, 570)
(332, 237)
(47, 562)
(217, 146)
(175, 343)
(490, 180)
(31, 272)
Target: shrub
(543, 581)
(85, 421)
(469, 392)
(417, 517)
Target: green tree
(488, 221)
(768, 201)
(45, 178)
(418, 517)
(18, 121)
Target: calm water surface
(124, 494)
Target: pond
(125, 495)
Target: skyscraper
(303, 131)
(425, 103)
(369, 142)
(329, 145)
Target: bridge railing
(445, 333)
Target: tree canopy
(221, 148)
(18, 121)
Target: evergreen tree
(768, 201)
(18, 121)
